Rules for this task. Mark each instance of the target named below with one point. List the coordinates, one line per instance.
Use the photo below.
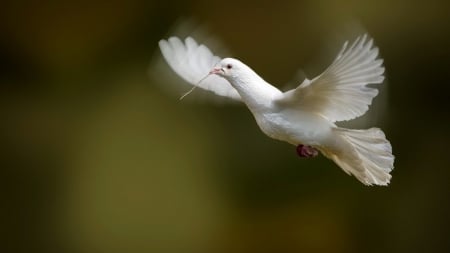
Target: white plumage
(193, 62)
(304, 115)
(340, 92)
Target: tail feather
(366, 154)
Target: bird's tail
(366, 154)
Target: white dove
(303, 116)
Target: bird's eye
(229, 66)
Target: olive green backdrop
(97, 157)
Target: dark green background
(96, 157)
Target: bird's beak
(216, 70)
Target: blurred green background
(96, 157)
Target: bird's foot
(306, 151)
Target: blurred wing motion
(340, 92)
(193, 62)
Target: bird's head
(251, 87)
(231, 69)
(228, 68)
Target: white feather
(192, 62)
(341, 91)
(366, 154)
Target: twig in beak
(195, 86)
(187, 93)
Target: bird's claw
(306, 151)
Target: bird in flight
(305, 116)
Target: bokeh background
(97, 157)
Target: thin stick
(195, 86)
(189, 92)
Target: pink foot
(306, 151)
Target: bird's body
(276, 119)
(305, 115)
(294, 127)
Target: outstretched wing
(341, 92)
(192, 62)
